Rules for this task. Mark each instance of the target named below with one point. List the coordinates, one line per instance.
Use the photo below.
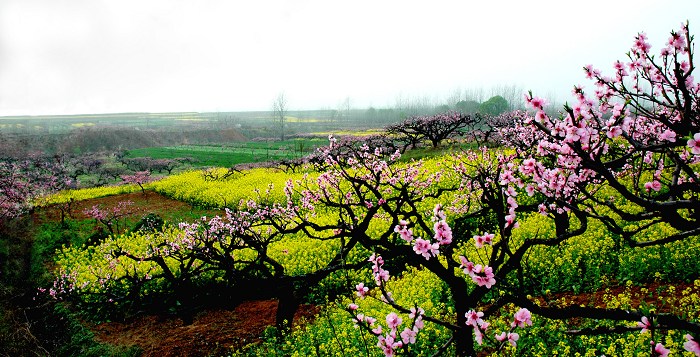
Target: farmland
(608, 266)
(228, 155)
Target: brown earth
(219, 331)
(148, 202)
(212, 332)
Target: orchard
(462, 253)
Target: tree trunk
(185, 311)
(287, 306)
(464, 337)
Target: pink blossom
(483, 276)
(359, 318)
(480, 240)
(694, 144)
(591, 72)
(467, 266)
(352, 307)
(654, 185)
(640, 43)
(527, 167)
(614, 132)
(389, 345)
(417, 315)
(416, 312)
(403, 231)
(660, 350)
(668, 135)
(443, 233)
(691, 345)
(536, 103)
(522, 318)
(645, 324)
(474, 318)
(380, 274)
(541, 116)
(511, 337)
(478, 335)
(408, 336)
(424, 248)
(530, 190)
(510, 220)
(677, 41)
(438, 212)
(393, 320)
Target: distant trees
(494, 106)
(467, 106)
(139, 178)
(22, 181)
(150, 164)
(434, 128)
(279, 110)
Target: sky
(109, 56)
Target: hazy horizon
(104, 57)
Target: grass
(229, 155)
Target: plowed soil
(212, 332)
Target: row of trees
(22, 182)
(467, 104)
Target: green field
(229, 155)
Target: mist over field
(87, 56)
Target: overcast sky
(98, 56)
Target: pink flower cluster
(390, 342)
(694, 144)
(644, 324)
(521, 318)
(510, 337)
(480, 240)
(425, 248)
(404, 232)
(480, 274)
(380, 274)
(474, 319)
(658, 349)
(443, 233)
(691, 345)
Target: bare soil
(212, 333)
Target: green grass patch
(229, 155)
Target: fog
(87, 56)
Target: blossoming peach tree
(626, 157)
(434, 128)
(365, 186)
(22, 181)
(637, 136)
